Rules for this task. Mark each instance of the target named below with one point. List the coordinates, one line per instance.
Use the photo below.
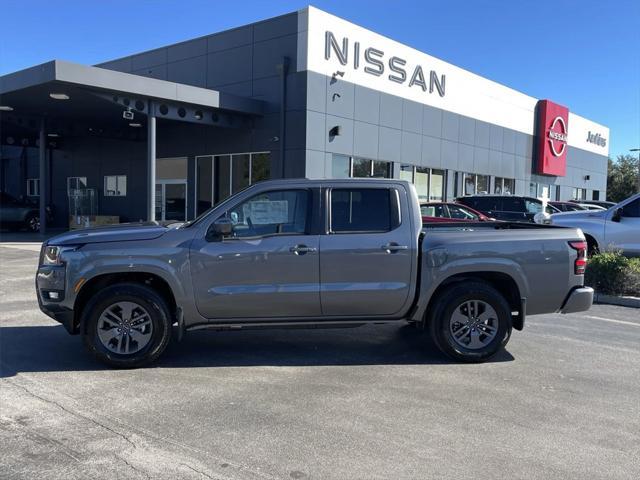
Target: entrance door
(171, 204)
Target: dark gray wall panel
(316, 130)
(268, 90)
(317, 92)
(367, 105)
(122, 65)
(390, 111)
(411, 147)
(192, 48)
(275, 27)
(218, 66)
(483, 134)
(342, 143)
(449, 155)
(509, 141)
(230, 39)
(159, 72)
(496, 137)
(365, 140)
(340, 98)
(149, 59)
(432, 121)
(467, 130)
(192, 71)
(431, 152)
(268, 54)
(411, 116)
(481, 160)
(296, 128)
(450, 126)
(389, 144)
(465, 158)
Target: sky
(584, 54)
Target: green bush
(614, 274)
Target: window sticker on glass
(267, 212)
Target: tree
(622, 178)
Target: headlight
(51, 254)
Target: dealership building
(166, 134)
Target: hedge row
(612, 273)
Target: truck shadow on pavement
(51, 349)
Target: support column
(151, 165)
(44, 181)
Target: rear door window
(362, 210)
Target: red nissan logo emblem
(558, 136)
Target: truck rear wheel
(470, 322)
(126, 325)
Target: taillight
(581, 260)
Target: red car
(450, 212)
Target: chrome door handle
(302, 249)
(393, 247)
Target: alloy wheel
(124, 328)
(473, 324)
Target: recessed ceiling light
(59, 96)
(6, 108)
(135, 124)
(53, 135)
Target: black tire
(146, 298)
(454, 297)
(32, 223)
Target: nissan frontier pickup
(309, 253)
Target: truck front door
(366, 258)
(267, 267)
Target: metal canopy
(95, 78)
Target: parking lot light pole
(637, 150)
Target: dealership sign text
(375, 63)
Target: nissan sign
(375, 62)
(553, 128)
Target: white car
(590, 206)
(617, 228)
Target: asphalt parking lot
(373, 402)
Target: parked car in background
(434, 212)
(567, 206)
(601, 203)
(589, 206)
(512, 208)
(20, 214)
(617, 228)
(309, 253)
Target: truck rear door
(366, 256)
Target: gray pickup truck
(295, 253)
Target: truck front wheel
(470, 322)
(126, 325)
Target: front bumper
(579, 300)
(50, 290)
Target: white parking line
(612, 320)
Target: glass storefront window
(340, 166)
(422, 183)
(406, 172)
(239, 172)
(469, 184)
(381, 169)
(221, 177)
(436, 187)
(204, 184)
(482, 184)
(533, 189)
(504, 186)
(260, 167)
(361, 167)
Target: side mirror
(617, 215)
(222, 227)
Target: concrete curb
(633, 302)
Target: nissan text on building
(167, 133)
